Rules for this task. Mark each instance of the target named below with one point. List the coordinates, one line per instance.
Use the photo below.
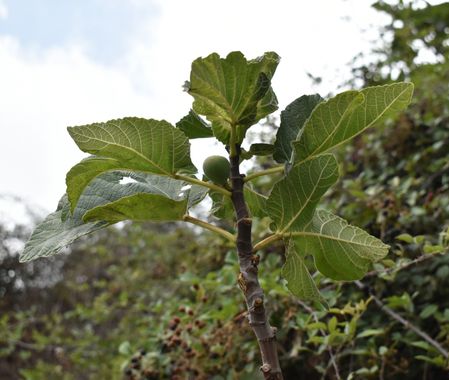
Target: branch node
(242, 282)
(245, 221)
(260, 323)
(258, 303)
(252, 269)
(255, 259)
(248, 278)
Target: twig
(386, 270)
(382, 369)
(248, 277)
(267, 241)
(276, 169)
(407, 324)
(201, 223)
(26, 345)
(333, 362)
(397, 269)
(197, 181)
(435, 176)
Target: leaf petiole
(197, 181)
(267, 241)
(276, 169)
(201, 223)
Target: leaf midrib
(319, 235)
(95, 209)
(164, 172)
(306, 203)
(348, 109)
(220, 93)
(361, 131)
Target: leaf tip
(273, 56)
(186, 86)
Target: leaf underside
(194, 127)
(129, 144)
(222, 206)
(299, 280)
(233, 92)
(340, 252)
(261, 149)
(132, 172)
(292, 121)
(293, 199)
(106, 198)
(348, 114)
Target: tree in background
(316, 341)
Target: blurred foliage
(125, 291)
(161, 301)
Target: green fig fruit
(217, 169)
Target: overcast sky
(65, 62)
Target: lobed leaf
(233, 92)
(292, 121)
(151, 198)
(348, 114)
(293, 199)
(143, 144)
(261, 149)
(139, 207)
(222, 206)
(104, 195)
(299, 280)
(131, 144)
(80, 175)
(194, 127)
(256, 202)
(57, 230)
(341, 251)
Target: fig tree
(217, 169)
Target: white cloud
(39, 97)
(40, 94)
(3, 11)
(309, 36)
